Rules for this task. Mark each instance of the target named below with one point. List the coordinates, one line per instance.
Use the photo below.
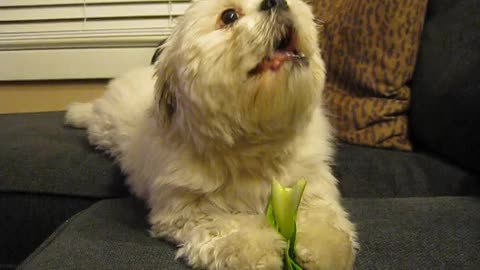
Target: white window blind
(71, 39)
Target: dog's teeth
(300, 56)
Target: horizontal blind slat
(92, 11)
(52, 29)
(80, 25)
(133, 1)
(98, 23)
(136, 39)
(17, 3)
(41, 13)
(137, 10)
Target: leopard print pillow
(370, 48)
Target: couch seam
(50, 239)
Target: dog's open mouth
(285, 49)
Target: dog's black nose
(271, 4)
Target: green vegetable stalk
(282, 215)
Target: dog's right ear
(166, 102)
(157, 53)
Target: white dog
(233, 102)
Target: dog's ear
(166, 103)
(165, 100)
(157, 53)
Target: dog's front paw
(246, 247)
(321, 246)
(241, 251)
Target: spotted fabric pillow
(370, 49)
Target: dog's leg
(325, 237)
(98, 122)
(224, 242)
(114, 118)
(79, 114)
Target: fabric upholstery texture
(370, 49)
(419, 233)
(26, 220)
(445, 113)
(40, 155)
(366, 172)
(48, 173)
(112, 234)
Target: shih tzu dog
(233, 101)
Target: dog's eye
(229, 16)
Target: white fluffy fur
(205, 169)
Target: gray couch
(414, 210)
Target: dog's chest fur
(229, 181)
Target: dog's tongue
(275, 61)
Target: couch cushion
(112, 234)
(40, 155)
(429, 233)
(374, 172)
(28, 219)
(370, 48)
(418, 233)
(445, 111)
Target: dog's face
(237, 69)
